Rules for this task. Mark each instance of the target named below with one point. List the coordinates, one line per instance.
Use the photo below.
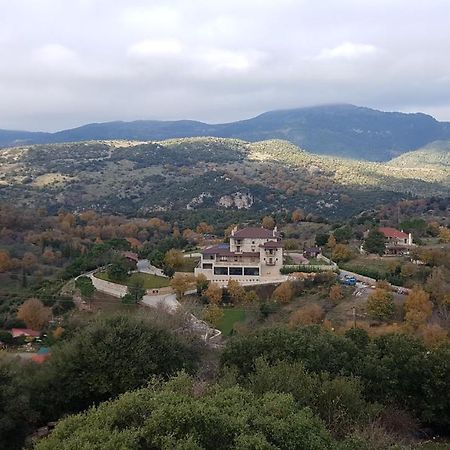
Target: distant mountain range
(341, 130)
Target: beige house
(253, 255)
(397, 242)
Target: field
(230, 317)
(102, 302)
(149, 281)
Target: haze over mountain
(341, 130)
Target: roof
(131, 255)
(16, 332)
(392, 233)
(271, 244)
(312, 250)
(255, 232)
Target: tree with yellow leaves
(214, 293)
(284, 293)
(268, 222)
(418, 307)
(174, 258)
(380, 304)
(212, 314)
(236, 291)
(5, 261)
(180, 283)
(444, 234)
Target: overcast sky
(68, 62)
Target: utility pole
(354, 316)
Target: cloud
(347, 51)
(155, 47)
(67, 63)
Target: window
(207, 266)
(235, 270)
(220, 270)
(251, 271)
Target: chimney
(234, 230)
(275, 231)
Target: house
(397, 242)
(312, 252)
(254, 254)
(26, 332)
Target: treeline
(303, 388)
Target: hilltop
(135, 177)
(340, 130)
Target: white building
(253, 255)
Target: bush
(176, 416)
(108, 357)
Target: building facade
(253, 255)
(397, 242)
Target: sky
(65, 63)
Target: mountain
(341, 130)
(205, 174)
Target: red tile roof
(393, 233)
(16, 332)
(254, 232)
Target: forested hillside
(201, 173)
(341, 130)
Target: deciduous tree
(380, 304)
(34, 314)
(174, 258)
(236, 291)
(212, 314)
(284, 293)
(214, 293)
(375, 242)
(418, 308)
(268, 222)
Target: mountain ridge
(340, 130)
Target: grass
(149, 281)
(230, 317)
(189, 264)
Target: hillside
(341, 130)
(435, 155)
(201, 173)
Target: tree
(212, 314)
(284, 293)
(298, 215)
(118, 270)
(331, 243)
(322, 239)
(268, 222)
(135, 292)
(29, 260)
(444, 234)
(307, 315)
(204, 228)
(34, 314)
(86, 287)
(251, 297)
(201, 283)
(380, 304)
(335, 293)
(168, 271)
(343, 234)
(107, 357)
(418, 307)
(16, 414)
(178, 415)
(174, 258)
(5, 261)
(341, 253)
(375, 242)
(236, 291)
(438, 286)
(214, 293)
(180, 284)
